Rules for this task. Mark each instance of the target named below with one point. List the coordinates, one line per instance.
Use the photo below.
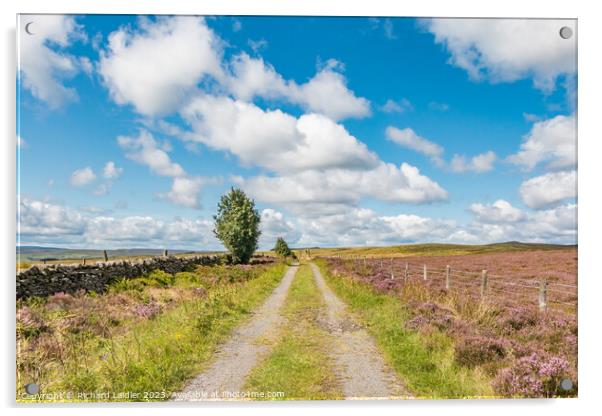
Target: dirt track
(226, 375)
(359, 366)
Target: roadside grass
(147, 358)
(434, 249)
(299, 365)
(424, 361)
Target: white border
(590, 280)
(462, 8)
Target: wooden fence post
(165, 253)
(447, 277)
(106, 255)
(424, 272)
(483, 283)
(392, 275)
(405, 274)
(84, 261)
(543, 294)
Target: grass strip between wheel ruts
(299, 365)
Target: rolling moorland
(155, 336)
(28, 255)
(35, 254)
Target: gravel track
(225, 377)
(359, 365)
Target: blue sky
(345, 131)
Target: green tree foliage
(282, 249)
(237, 225)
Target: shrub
(519, 348)
(29, 323)
(517, 318)
(535, 375)
(147, 310)
(126, 285)
(187, 277)
(437, 316)
(386, 285)
(417, 322)
(200, 292)
(477, 350)
(159, 278)
(282, 249)
(60, 300)
(237, 225)
(47, 347)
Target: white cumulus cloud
(500, 211)
(480, 163)
(82, 177)
(43, 222)
(43, 63)
(549, 189)
(273, 139)
(554, 225)
(552, 141)
(273, 225)
(110, 171)
(146, 150)
(335, 188)
(362, 226)
(40, 218)
(507, 50)
(408, 138)
(183, 51)
(315, 159)
(158, 66)
(325, 93)
(391, 106)
(185, 191)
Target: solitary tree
(282, 249)
(237, 225)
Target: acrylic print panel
(305, 208)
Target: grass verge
(425, 362)
(155, 356)
(299, 365)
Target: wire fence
(544, 292)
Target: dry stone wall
(47, 280)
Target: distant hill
(38, 253)
(437, 249)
